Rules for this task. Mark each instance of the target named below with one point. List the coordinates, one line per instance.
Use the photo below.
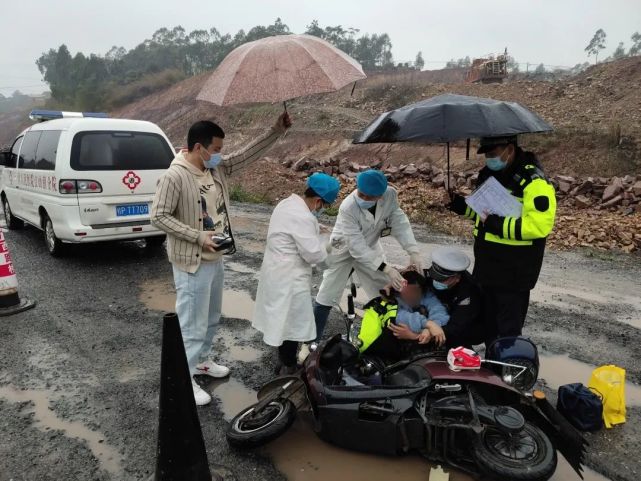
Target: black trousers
(287, 353)
(505, 311)
(464, 335)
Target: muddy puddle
(301, 456)
(559, 369)
(160, 295)
(232, 395)
(45, 420)
(236, 348)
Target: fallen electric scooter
(475, 415)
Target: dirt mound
(597, 116)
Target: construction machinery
(489, 69)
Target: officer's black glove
(458, 205)
(494, 224)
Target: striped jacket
(176, 207)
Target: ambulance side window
(47, 149)
(13, 156)
(28, 151)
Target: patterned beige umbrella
(276, 69)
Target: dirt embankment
(597, 116)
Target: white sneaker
(210, 368)
(303, 353)
(200, 396)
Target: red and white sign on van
(8, 279)
(131, 180)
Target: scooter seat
(336, 355)
(408, 376)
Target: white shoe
(303, 353)
(200, 396)
(210, 368)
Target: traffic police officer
(509, 251)
(460, 295)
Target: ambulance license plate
(132, 209)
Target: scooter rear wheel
(527, 455)
(249, 430)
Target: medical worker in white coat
(366, 215)
(284, 312)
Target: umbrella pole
(449, 190)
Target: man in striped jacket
(190, 205)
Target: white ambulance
(84, 178)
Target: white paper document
(492, 197)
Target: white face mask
(365, 204)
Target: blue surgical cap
(325, 186)
(372, 182)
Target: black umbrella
(449, 117)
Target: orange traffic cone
(10, 301)
(181, 454)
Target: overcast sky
(553, 32)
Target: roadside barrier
(10, 301)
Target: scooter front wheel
(527, 455)
(250, 429)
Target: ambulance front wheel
(54, 245)
(12, 222)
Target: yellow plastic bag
(609, 382)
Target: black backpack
(581, 406)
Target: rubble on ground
(587, 215)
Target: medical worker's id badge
(385, 232)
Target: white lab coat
(283, 309)
(356, 245)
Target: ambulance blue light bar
(42, 115)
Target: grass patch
(238, 194)
(331, 211)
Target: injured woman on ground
(395, 323)
(441, 309)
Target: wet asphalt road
(79, 374)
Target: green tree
(619, 52)
(419, 63)
(596, 44)
(540, 70)
(56, 68)
(372, 51)
(92, 81)
(635, 49)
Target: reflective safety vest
(531, 188)
(508, 251)
(378, 314)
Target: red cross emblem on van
(131, 180)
